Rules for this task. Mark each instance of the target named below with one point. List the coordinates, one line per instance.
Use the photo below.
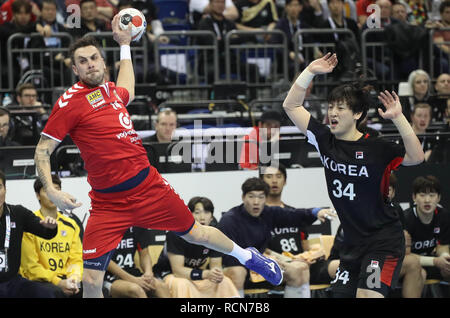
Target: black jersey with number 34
(357, 175)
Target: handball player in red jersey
(126, 190)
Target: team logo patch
(374, 264)
(63, 233)
(437, 230)
(95, 98)
(206, 251)
(359, 155)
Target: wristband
(426, 261)
(125, 52)
(315, 211)
(304, 79)
(196, 274)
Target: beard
(94, 79)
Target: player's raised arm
(293, 104)
(414, 152)
(125, 77)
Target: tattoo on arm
(44, 149)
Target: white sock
(241, 293)
(297, 292)
(241, 254)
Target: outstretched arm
(293, 104)
(414, 152)
(125, 78)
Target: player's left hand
(123, 37)
(325, 214)
(392, 104)
(49, 222)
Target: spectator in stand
(290, 23)
(165, 125)
(420, 119)
(90, 20)
(399, 12)
(20, 23)
(442, 38)
(419, 84)
(349, 9)
(256, 15)
(58, 261)
(201, 8)
(362, 11)
(268, 130)
(441, 152)
(217, 23)
(6, 12)
(6, 132)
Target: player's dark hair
(85, 1)
(355, 95)
(83, 42)
(19, 4)
(426, 184)
(2, 177)
(207, 204)
(255, 184)
(38, 183)
(278, 166)
(270, 115)
(393, 181)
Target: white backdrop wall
(305, 188)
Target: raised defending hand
(123, 37)
(325, 64)
(392, 104)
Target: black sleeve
(143, 237)
(317, 132)
(32, 224)
(444, 232)
(287, 217)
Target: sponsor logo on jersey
(13, 225)
(95, 98)
(63, 233)
(437, 230)
(374, 264)
(359, 155)
(206, 251)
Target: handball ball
(137, 20)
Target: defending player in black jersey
(357, 172)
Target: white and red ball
(137, 20)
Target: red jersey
(98, 122)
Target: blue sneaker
(266, 267)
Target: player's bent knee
(198, 234)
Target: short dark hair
(270, 115)
(38, 183)
(83, 42)
(3, 177)
(20, 88)
(49, 2)
(328, 1)
(85, 1)
(443, 5)
(300, 2)
(207, 204)
(4, 111)
(426, 184)
(255, 184)
(355, 95)
(278, 166)
(17, 5)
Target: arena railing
(262, 64)
(21, 60)
(184, 64)
(441, 54)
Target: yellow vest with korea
(54, 259)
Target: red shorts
(152, 204)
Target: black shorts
(375, 266)
(318, 272)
